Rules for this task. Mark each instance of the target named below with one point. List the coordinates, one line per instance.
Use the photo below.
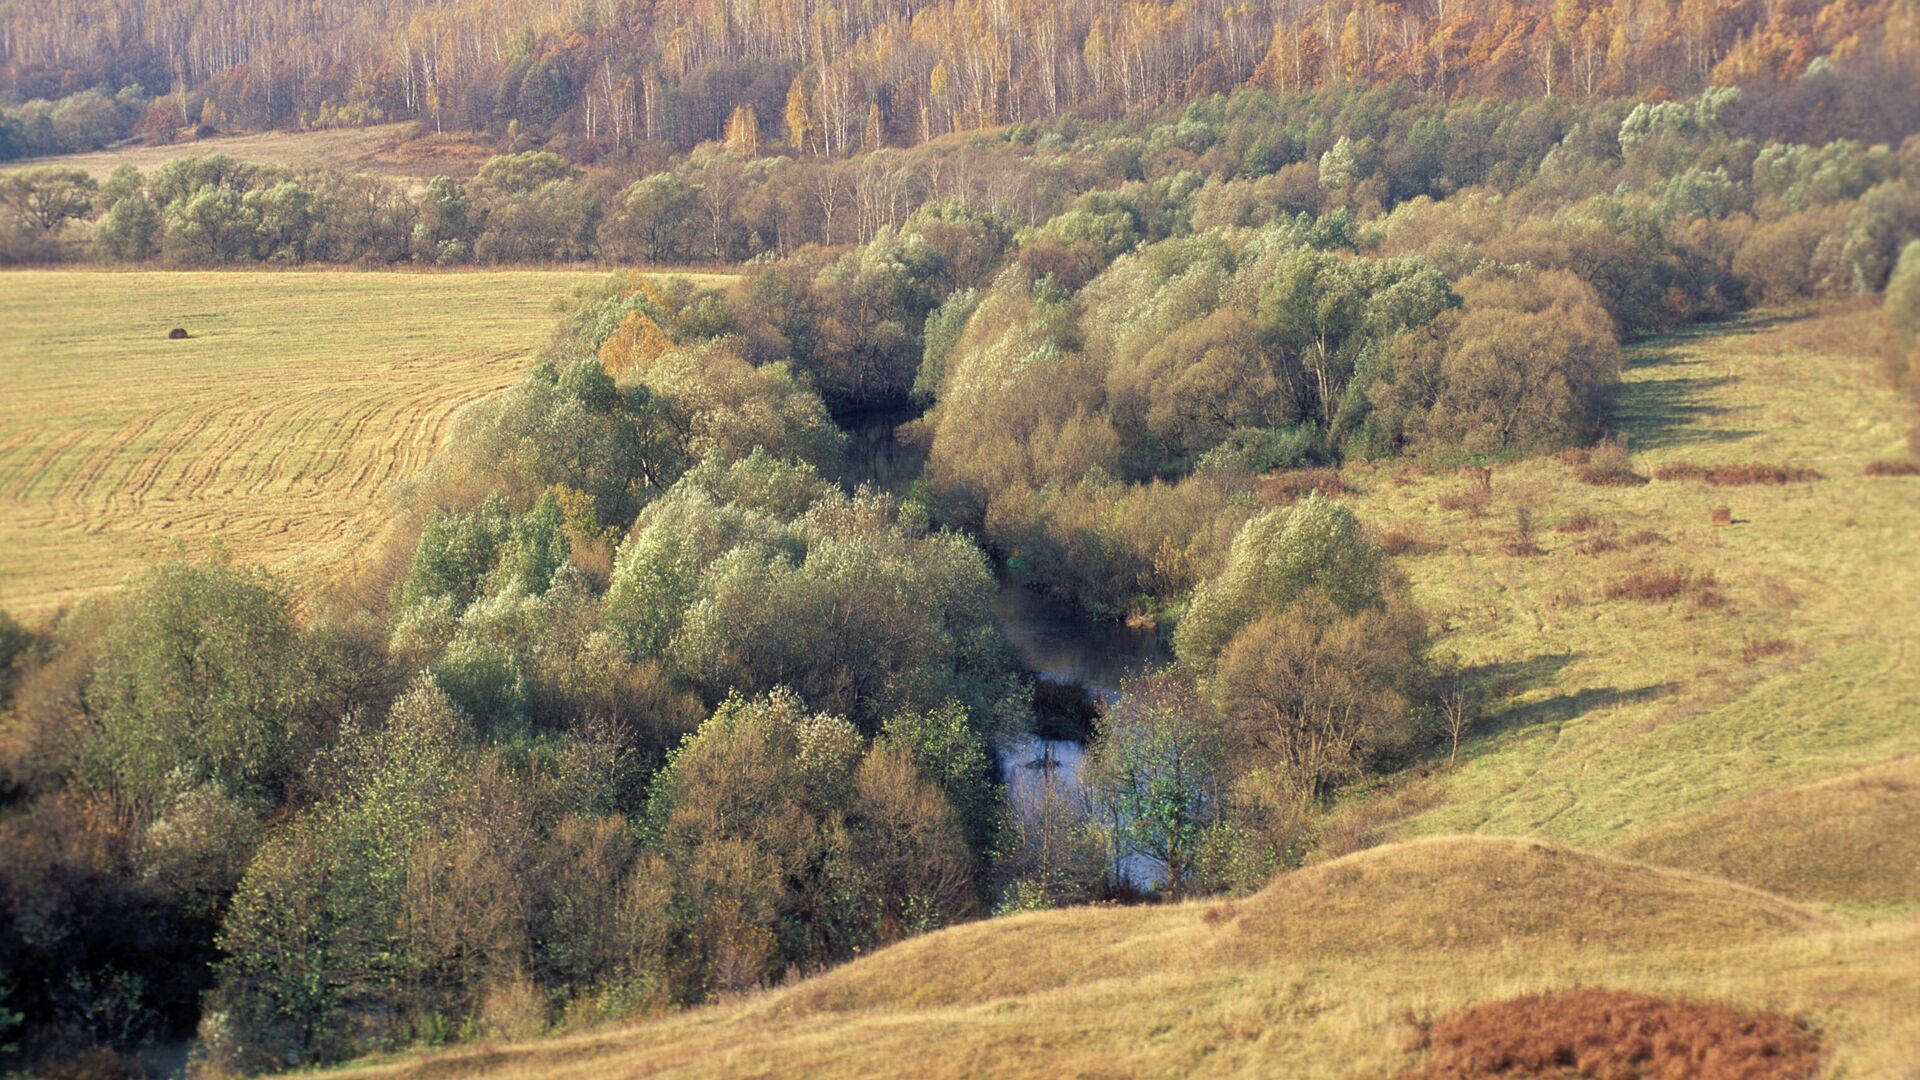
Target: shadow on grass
(1563, 708)
(1659, 413)
(1514, 677)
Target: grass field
(1612, 717)
(391, 150)
(1709, 796)
(274, 430)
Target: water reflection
(1058, 641)
(1032, 768)
(875, 454)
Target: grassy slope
(301, 397)
(1653, 727)
(1316, 976)
(1630, 715)
(390, 150)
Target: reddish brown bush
(1753, 472)
(1472, 502)
(1581, 521)
(1616, 1035)
(1662, 585)
(1406, 540)
(1892, 468)
(1284, 488)
(1520, 542)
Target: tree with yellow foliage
(634, 347)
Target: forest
(639, 78)
(654, 698)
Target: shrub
(1406, 540)
(1892, 468)
(1753, 472)
(1287, 488)
(1578, 522)
(1275, 559)
(1609, 466)
(1662, 585)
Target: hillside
(1314, 976)
(1750, 733)
(1787, 656)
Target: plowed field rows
(273, 430)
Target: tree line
(834, 77)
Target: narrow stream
(1055, 640)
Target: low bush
(1659, 585)
(1578, 522)
(1407, 540)
(1520, 542)
(1606, 465)
(1750, 473)
(1287, 488)
(1892, 468)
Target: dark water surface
(1058, 641)
(1055, 640)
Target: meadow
(273, 431)
(1706, 795)
(390, 151)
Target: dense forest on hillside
(601, 76)
(652, 700)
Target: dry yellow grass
(1852, 840)
(390, 150)
(274, 430)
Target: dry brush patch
(1606, 1034)
(1892, 468)
(1290, 486)
(1741, 475)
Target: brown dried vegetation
(1752, 472)
(1656, 584)
(1617, 1035)
(1289, 486)
(1892, 468)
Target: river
(1058, 642)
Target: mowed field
(392, 151)
(275, 430)
(1709, 795)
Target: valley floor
(1709, 794)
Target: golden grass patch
(300, 399)
(1850, 840)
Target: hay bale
(1723, 515)
(178, 333)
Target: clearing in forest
(392, 151)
